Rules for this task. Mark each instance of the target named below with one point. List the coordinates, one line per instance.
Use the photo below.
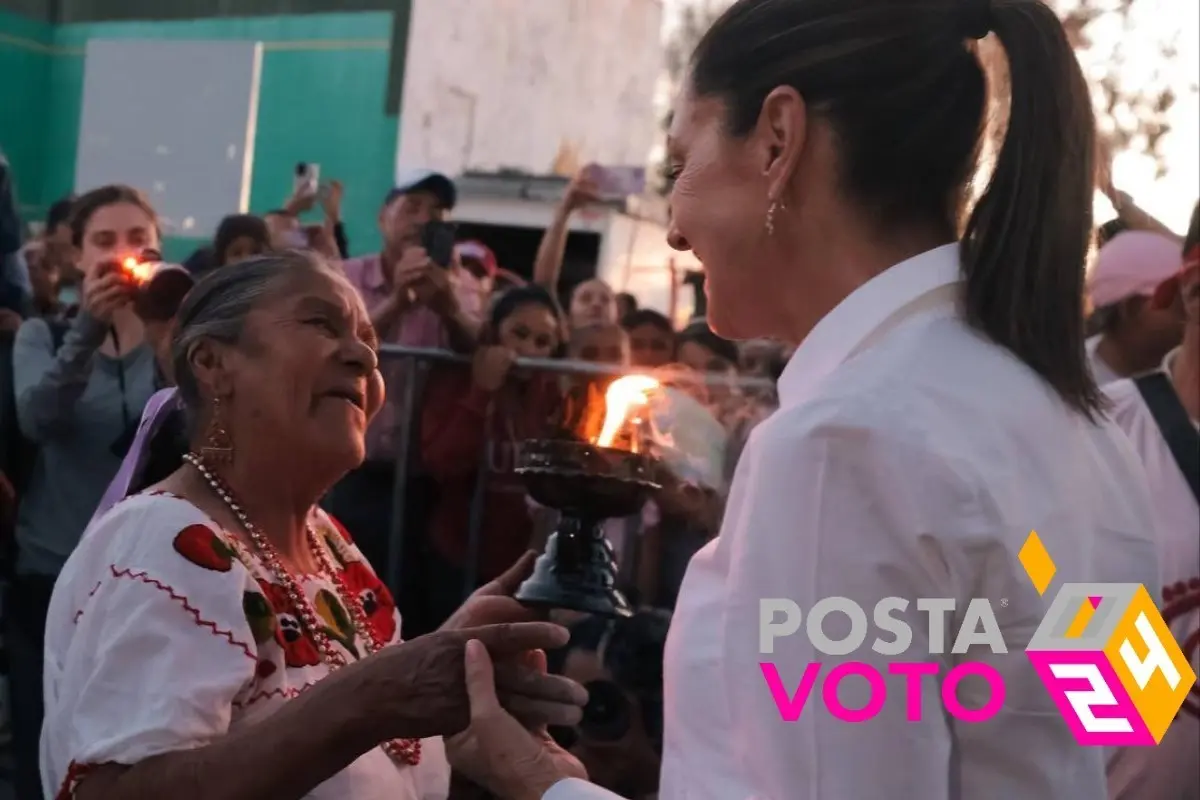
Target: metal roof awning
(515, 185)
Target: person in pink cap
(1160, 413)
(480, 263)
(1130, 335)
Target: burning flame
(624, 398)
(137, 270)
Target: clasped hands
(506, 747)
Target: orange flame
(625, 398)
(137, 270)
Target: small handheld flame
(137, 270)
(624, 397)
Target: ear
(783, 131)
(209, 364)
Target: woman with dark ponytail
(938, 408)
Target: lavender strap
(157, 409)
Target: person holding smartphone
(77, 394)
(418, 295)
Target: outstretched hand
(494, 604)
(526, 691)
(417, 688)
(497, 751)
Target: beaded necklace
(404, 751)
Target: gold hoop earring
(218, 444)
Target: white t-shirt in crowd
(1170, 771)
(1103, 373)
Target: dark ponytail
(1193, 232)
(1026, 242)
(901, 85)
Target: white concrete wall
(530, 84)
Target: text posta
(780, 617)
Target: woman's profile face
(530, 331)
(116, 232)
(719, 209)
(304, 375)
(593, 303)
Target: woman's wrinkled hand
(417, 688)
(525, 690)
(497, 751)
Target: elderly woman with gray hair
(218, 635)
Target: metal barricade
(418, 362)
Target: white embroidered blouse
(163, 635)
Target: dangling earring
(218, 445)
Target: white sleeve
(160, 646)
(575, 789)
(834, 510)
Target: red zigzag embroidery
(287, 693)
(183, 601)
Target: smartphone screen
(306, 180)
(438, 240)
(618, 183)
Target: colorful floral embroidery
(200, 545)
(375, 598)
(298, 649)
(260, 616)
(338, 624)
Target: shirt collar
(844, 329)
(1169, 360)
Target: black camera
(158, 288)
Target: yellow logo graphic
(1107, 657)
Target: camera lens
(606, 715)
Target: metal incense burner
(588, 484)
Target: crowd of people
(93, 376)
(232, 435)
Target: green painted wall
(25, 63)
(322, 99)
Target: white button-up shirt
(1170, 771)
(910, 457)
